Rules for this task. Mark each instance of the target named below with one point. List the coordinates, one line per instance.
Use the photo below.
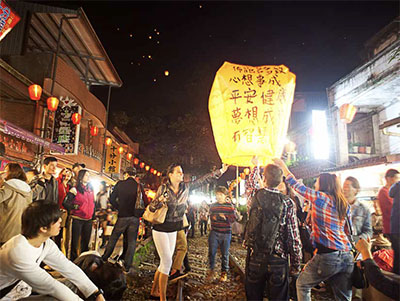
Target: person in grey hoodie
(15, 196)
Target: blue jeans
(334, 268)
(128, 226)
(223, 241)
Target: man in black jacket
(45, 186)
(130, 208)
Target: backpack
(262, 228)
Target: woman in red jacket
(63, 188)
(80, 203)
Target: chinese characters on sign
(8, 19)
(250, 110)
(66, 133)
(113, 159)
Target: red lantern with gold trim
(35, 92)
(147, 168)
(136, 161)
(52, 103)
(121, 150)
(94, 130)
(347, 112)
(108, 141)
(129, 156)
(76, 118)
(142, 165)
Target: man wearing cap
(130, 206)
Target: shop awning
(13, 130)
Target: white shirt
(19, 260)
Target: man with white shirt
(21, 256)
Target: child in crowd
(222, 214)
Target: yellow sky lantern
(250, 110)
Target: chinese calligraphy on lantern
(250, 109)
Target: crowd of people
(47, 223)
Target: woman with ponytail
(330, 216)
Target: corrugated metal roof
(79, 45)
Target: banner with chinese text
(250, 110)
(8, 19)
(113, 159)
(66, 133)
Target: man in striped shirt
(222, 215)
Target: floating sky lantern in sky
(35, 92)
(250, 110)
(347, 112)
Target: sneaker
(224, 277)
(210, 276)
(176, 276)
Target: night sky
(319, 41)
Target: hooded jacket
(15, 196)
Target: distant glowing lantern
(121, 150)
(35, 92)
(166, 72)
(158, 174)
(76, 118)
(142, 165)
(249, 116)
(129, 156)
(347, 112)
(108, 141)
(147, 168)
(94, 130)
(52, 103)
(246, 171)
(154, 172)
(136, 161)
(151, 170)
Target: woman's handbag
(156, 212)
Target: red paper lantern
(129, 156)
(246, 171)
(136, 161)
(147, 168)
(152, 170)
(52, 103)
(35, 92)
(108, 141)
(121, 150)
(94, 130)
(142, 165)
(347, 113)
(76, 118)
